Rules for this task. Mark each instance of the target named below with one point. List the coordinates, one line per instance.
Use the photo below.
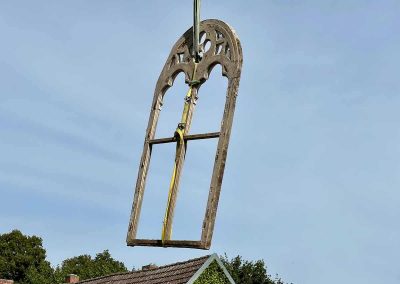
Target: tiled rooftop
(177, 273)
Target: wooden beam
(167, 243)
(179, 160)
(186, 137)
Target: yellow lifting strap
(179, 135)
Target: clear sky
(312, 178)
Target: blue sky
(312, 177)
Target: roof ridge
(150, 269)
(179, 262)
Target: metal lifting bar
(196, 30)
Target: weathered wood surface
(166, 243)
(224, 49)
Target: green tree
(23, 259)
(87, 267)
(248, 272)
(212, 274)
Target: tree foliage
(212, 274)
(248, 272)
(87, 267)
(23, 259)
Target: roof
(177, 273)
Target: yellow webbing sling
(179, 134)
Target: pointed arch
(219, 45)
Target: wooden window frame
(225, 49)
